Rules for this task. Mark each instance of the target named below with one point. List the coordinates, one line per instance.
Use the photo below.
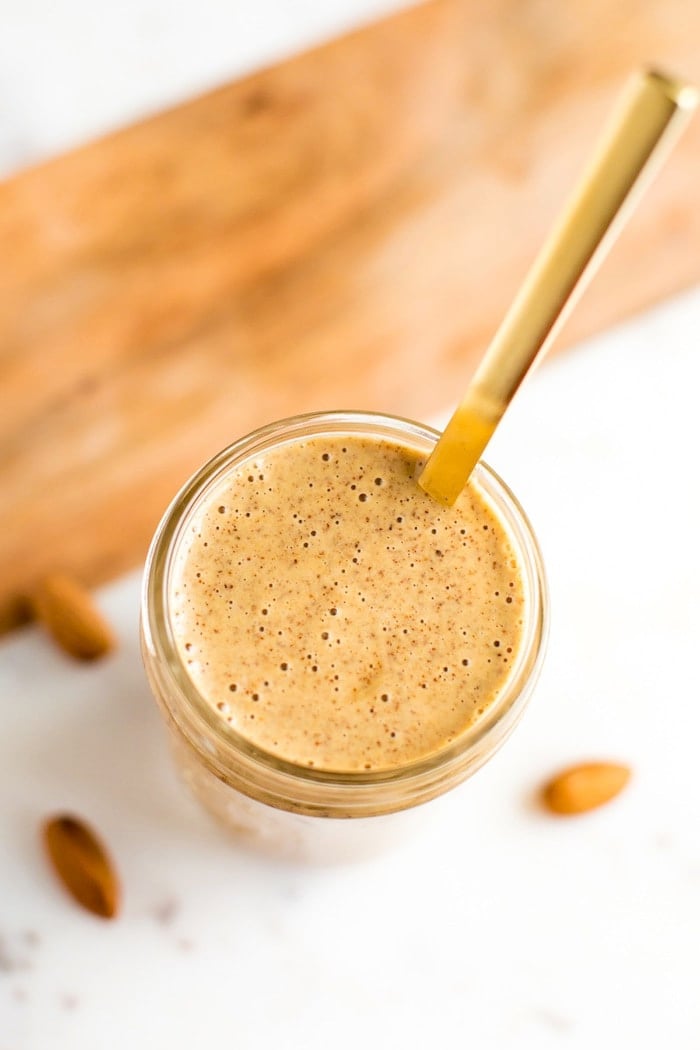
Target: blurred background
(71, 73)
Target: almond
(69, 613)
(585, 786)
(82, 864)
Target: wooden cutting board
(343, 230)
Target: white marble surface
(496, 927)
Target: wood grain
(342, 230)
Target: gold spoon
(652, 113)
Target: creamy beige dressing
(338, 617)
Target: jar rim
(280, 781)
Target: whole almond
(82, 864)
(584, 787)
(69, 613)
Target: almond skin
(82, 864)
(69, 613)
(583, 787)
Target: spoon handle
(651, 115)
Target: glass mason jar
(295, 810)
